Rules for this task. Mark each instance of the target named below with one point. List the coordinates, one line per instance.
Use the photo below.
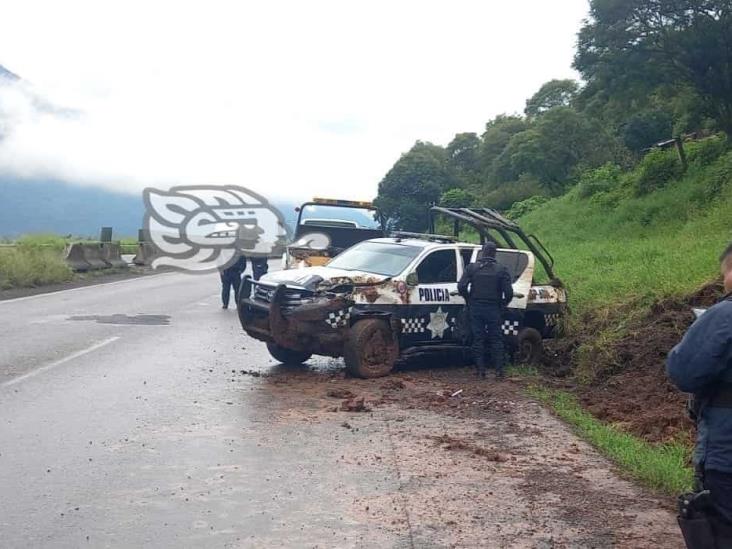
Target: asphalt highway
(122, 425)
(138, 414)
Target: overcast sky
(289, 98)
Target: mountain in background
(51, 206)
(5, 73)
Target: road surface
(137, 414)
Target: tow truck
(325, 227)
(394, 297)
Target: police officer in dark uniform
(259, 267)
(486, 287)
(231, 277)
(702, 365)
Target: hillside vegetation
(614, 243)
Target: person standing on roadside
(259, 267)
(701, 364)
(231, 277)
(486, 287)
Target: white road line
(64, 360)
(36, 296)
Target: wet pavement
(137, 414)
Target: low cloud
(290, 99)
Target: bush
(457, 198)
(599, 180)
(24, 267)
(42, 240)
(508, 194)
(718, 177)
(706, 151)
(656, 170)
(523, 207)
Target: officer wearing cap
(702, 365)
(486, 287)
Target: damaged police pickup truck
(393, 297)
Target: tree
(555, 93)
(630, 47)
(463, 153)
(413, 184)
(646, 128)
(498, 133)
(561, 140)
(457, 198)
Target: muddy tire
(287, 356)
(370, 349)
(529, 346)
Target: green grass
(616, 247)
(27, 266)
(661, 467)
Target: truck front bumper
(318, 326)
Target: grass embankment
(623, 243)
(614, 247)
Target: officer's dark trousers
(229, 281)
(719, 485)
(487, 327)
(259, 267)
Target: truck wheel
(287, 356)
(370, 349)
(530, 346)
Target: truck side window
(515, 262)
(439, 266)
(466, 254)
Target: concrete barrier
(74, 257)
(93, 256)
(112, 254)
(146, 252)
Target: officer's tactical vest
(484, 283)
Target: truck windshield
(376, 257)
(325, 215)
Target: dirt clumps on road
(355, 404)
(462, 462)
(625, 379)
(447, 442)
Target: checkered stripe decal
(338, 319)
(510, 327)
(413, 325)
(551, 319)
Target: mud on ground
(631, 389)
(478, 463)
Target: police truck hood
(311, 277)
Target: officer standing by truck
(231, 277)
(259, 267)
(486, 287)
(702, 365)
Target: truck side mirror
(412, 279)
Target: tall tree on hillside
(497, 135)
(555, 93)
(561, 140)
(413, 184)
(629, 47)
(463, 155)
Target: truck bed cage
(487, 222)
